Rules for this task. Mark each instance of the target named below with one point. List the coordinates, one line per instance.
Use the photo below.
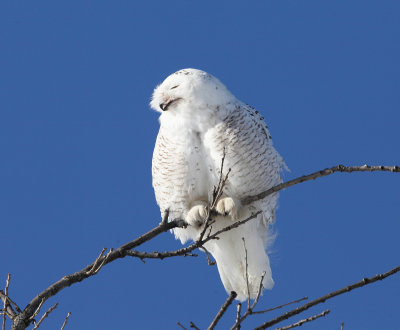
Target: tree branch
(222, 310)
(280, 306)
(45, 315)
(301, 322)
(249, 311)
(319, 174)
(22, 319)
(65, 321)
(364, 281)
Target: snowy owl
(200, 122)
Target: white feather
(202, 119)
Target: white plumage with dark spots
(200, 120)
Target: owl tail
(230, 254)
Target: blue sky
(77, 134)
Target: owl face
(189, 88)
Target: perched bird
(201, 122)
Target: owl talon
(197, 215)
(227, 206)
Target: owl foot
(228, 206)
(197, 215)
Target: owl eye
(174, 87)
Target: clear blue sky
(77, 134)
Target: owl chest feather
(200, 168)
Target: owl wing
(169, 170)
(249, 153)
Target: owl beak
(164, 106)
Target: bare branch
(23, 318)
(187, 250)
(165, 218)
(45, 315)
(5, 302)
(7, 308)
(237, 321)
(260, 288)
(222, 310)
(7, 284)
(65, 321)
(192, 325)
(364, 281)
(301, 322)
(280, 306)
(247, 274)
(91, 271)
(209, 261)
(319, 174)
(181, 325)
(217, 191)
(37, 310)
(159, 255)
(3, 327)
(95, 269)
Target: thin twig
(181, 325)
(220, 190)
(165, 217)
(5, 302)
(44, 316)
(65, 321)
(96, 270)
(6, 305)
(217, 189)
(37, 310)
(301, 322)
(192, 325)
(7, 284)
(217, 193)
(319, 174)
(7, 310)
(237, 321)
(222, 310)
(364, 281)
(260, 289)
(247, 274)
(91, 270)
(280, 306)
(98, 260)
(208, 255)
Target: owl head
(189, 89)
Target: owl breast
(201, 170)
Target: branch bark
(222, 310)
(308, 319)
(319, 174)
(363, 282)
(21, 319)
